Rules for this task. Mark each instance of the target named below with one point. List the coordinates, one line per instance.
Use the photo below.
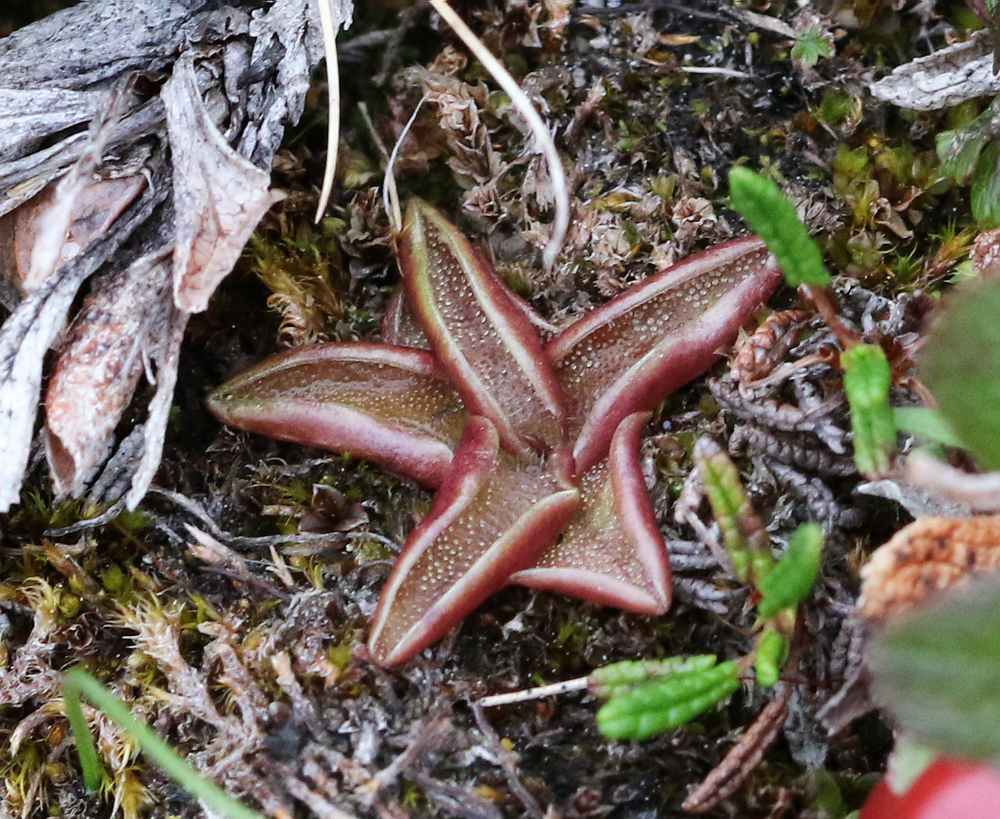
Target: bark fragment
(233, 76)
(98, 369)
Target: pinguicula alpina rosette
(532, 445)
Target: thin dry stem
(531, 116)
(743, 757)
(528, 694)
(390, 194)
(333, 91)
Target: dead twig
(742, 758)
(509, 764)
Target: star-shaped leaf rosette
(531, 444)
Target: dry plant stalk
(743, 757)
(519, 99)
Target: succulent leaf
(493, 516)
(612, 552)
(387, 404)
(400, 327)
(666, 703)
(500, 506)
(481, 339)
(634, 351)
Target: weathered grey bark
(189, 97)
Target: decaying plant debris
(229, 609)
(135, 152)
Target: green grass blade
(79, 684)
(85, 747)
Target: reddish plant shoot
(948, 789)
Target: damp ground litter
(228, 605)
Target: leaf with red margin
(493, 516)
(642, 345)
(390, 405)
(612, 552)
(480, 338)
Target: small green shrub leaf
(812, 45)
(935, 670)
(792, 578)
(986, 187)
(867, 378)
(772, 216)
(961, 366)
(959, 150)
(618, 678)
(927, 423)
(772, 651)
(743, 533)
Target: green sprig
(867, 378)
(743, 533)
(666, 703)
(618, 678)
(772, 651)
(794, 575)
(772, 216)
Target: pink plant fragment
(387, 404)
(480, 338)
(630, 354)
(95, 208)
(220, 195)
(98, 369)
(612, 552)
(493, 516)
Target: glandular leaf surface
(387, 404)
(612, 552)
(481, 339)
(632, 353)
(493, 515)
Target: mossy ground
(246, 657)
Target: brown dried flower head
(924, 558)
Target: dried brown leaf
(219, 195)
(96, 208)
(98, 369)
